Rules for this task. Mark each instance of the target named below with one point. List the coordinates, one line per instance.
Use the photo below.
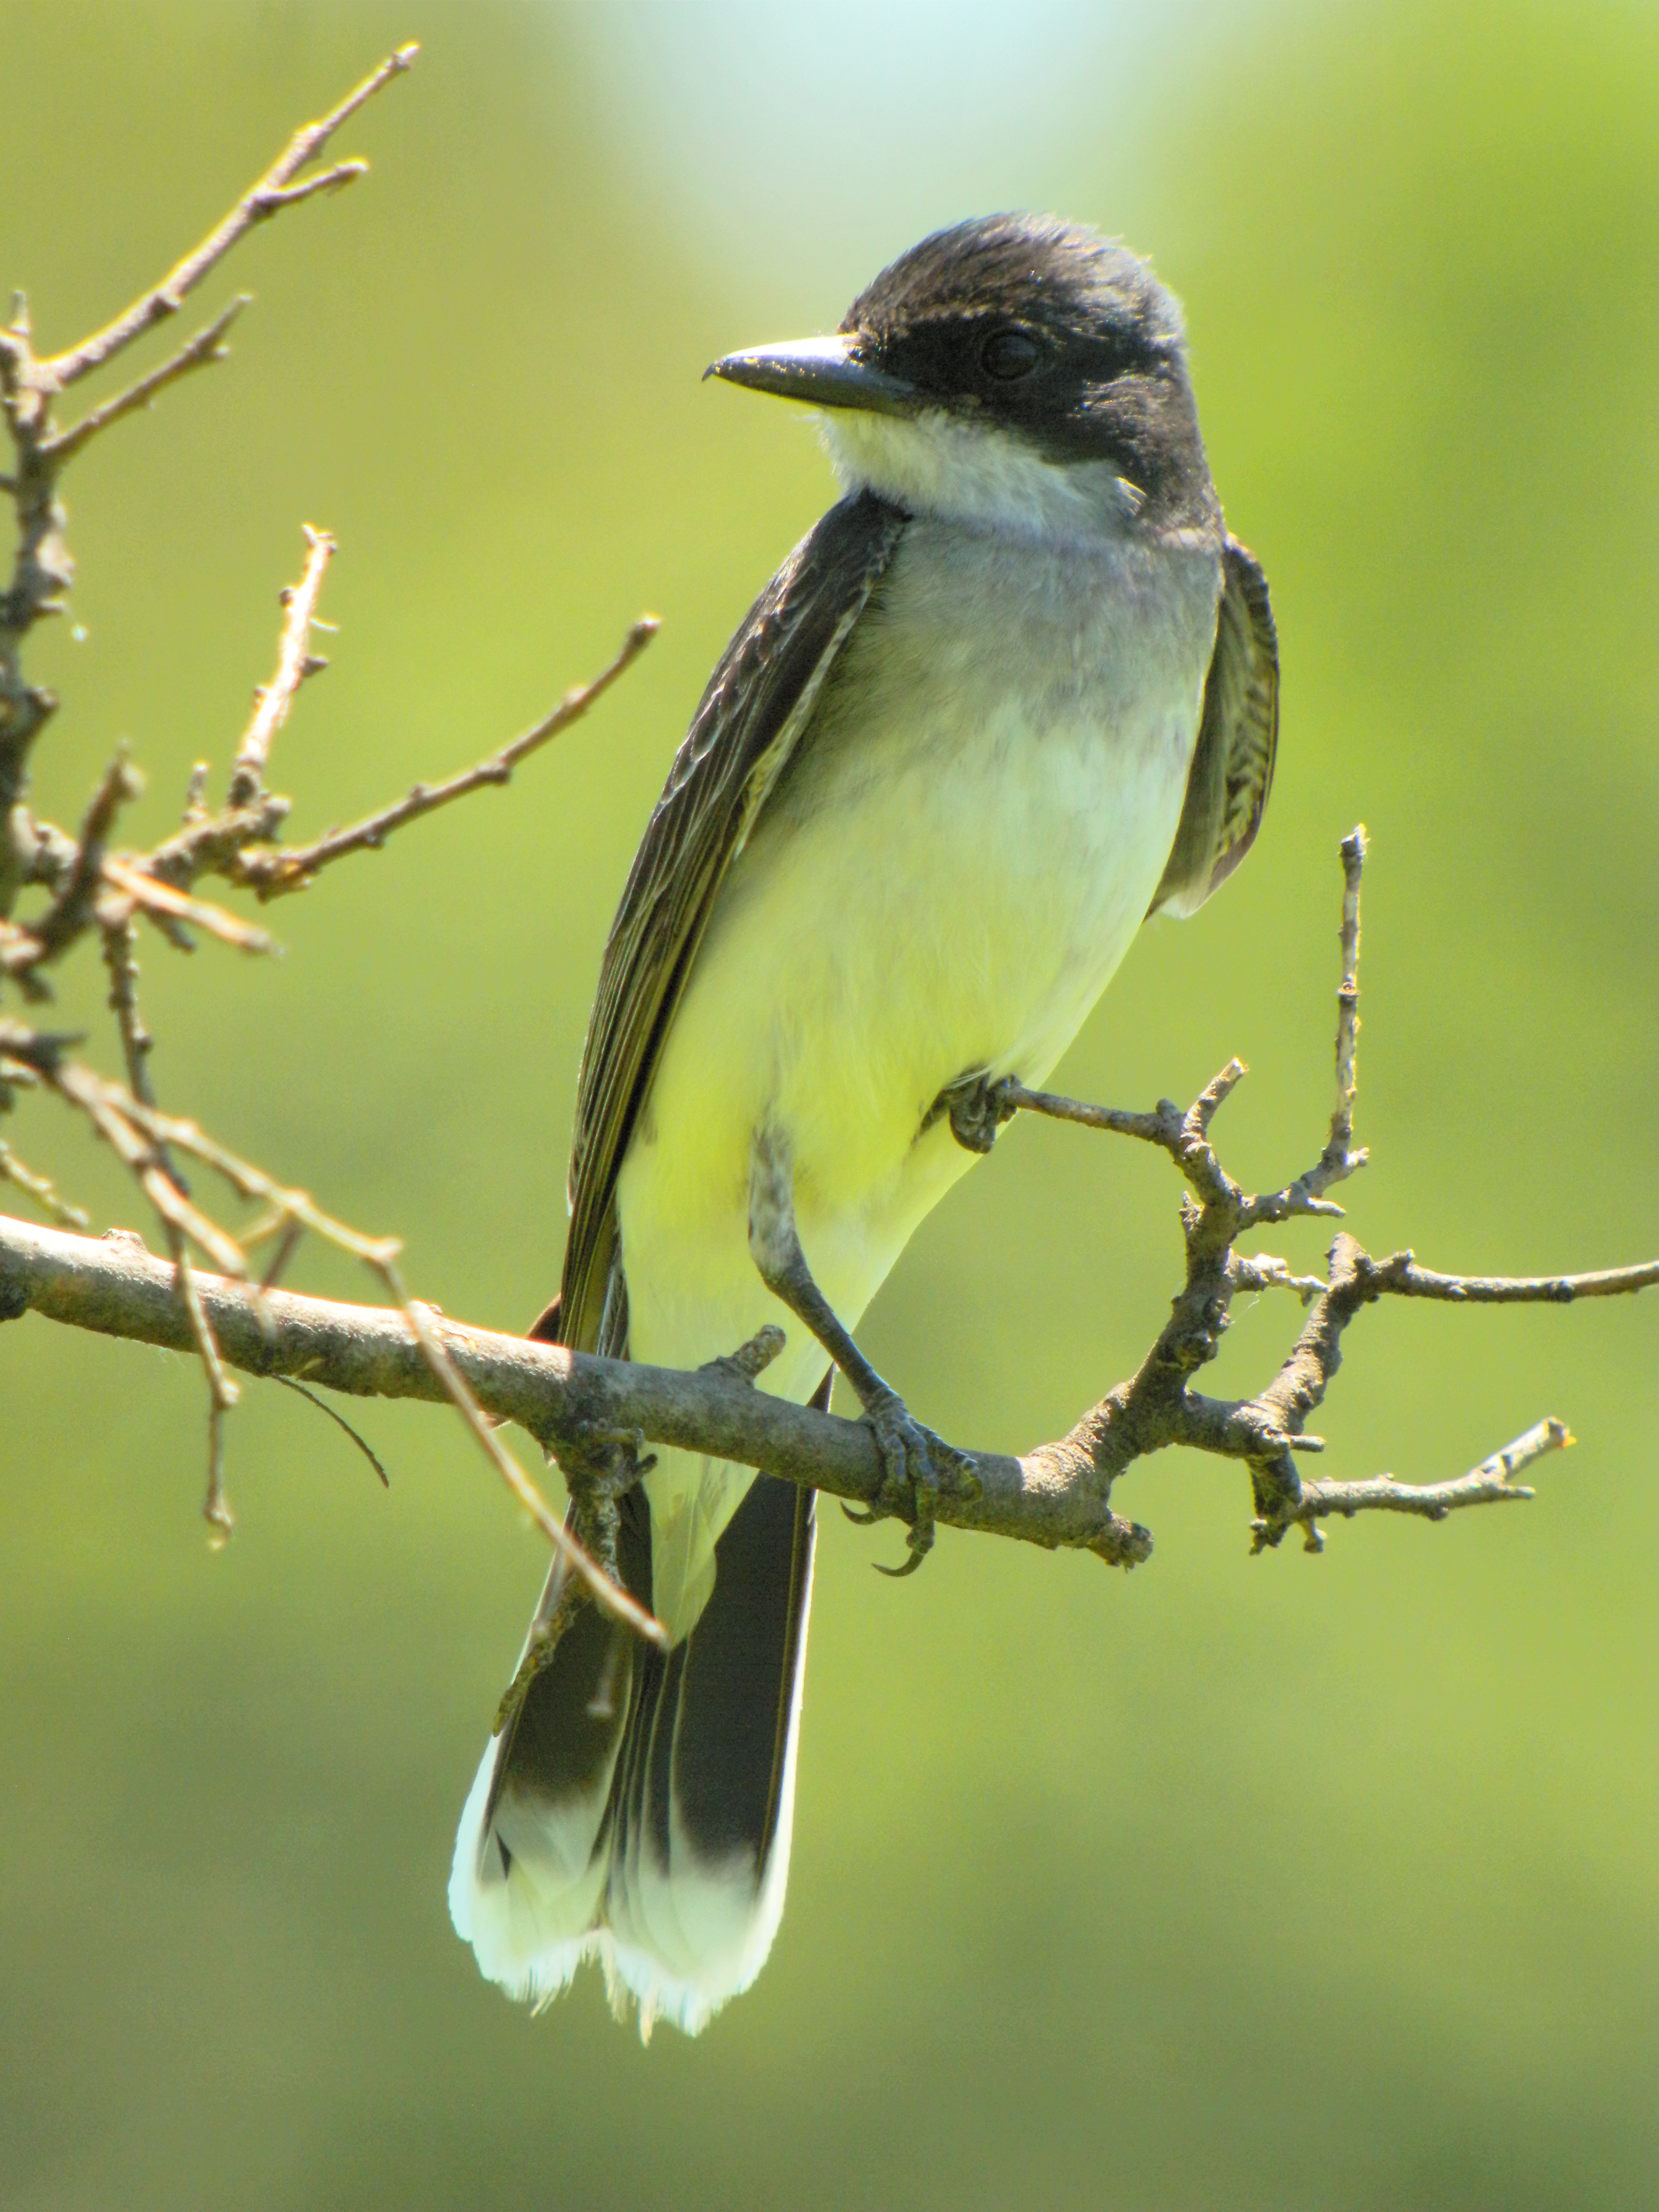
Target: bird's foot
(918, 1467)
(977, 1108)
(600, 1466)
(598, 1462)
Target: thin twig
(339, 1421)
(120, 943)
(609, 1595)
(271, 874)
(1338, 1160)
(120, 957)
(201, 352)
(138, 1133)
(40, 1189)
(289, 1234)
(113, 1113)
(158, 899)
(326, 180)
(294, 662)
(213, 844)
(1258, 1272)
(1489, 1484)
(247, 1180)
(70, 911)
(1401, 1277)
(262, 199)
(1161, 1127)
(222, 1393)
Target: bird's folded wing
(1232, 767)
(758, 701)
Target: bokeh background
(1285, 1883)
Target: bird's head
(1014, 371)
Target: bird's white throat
(977, 475)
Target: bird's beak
(822, 372)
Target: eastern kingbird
(1017, 690)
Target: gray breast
(972, 634)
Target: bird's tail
(637, 1810)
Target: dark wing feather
(1232, 767)
(758, 701)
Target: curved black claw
(898, 1574)
(916, 1464)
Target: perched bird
(1017, 690)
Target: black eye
(1009, 354)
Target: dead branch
(294, 662)
(200, 352)
(1489, 1484)
(40, 1189)
(30, 384)
(1058, 1494)
(1052, 1497)
(89, 888)
(271, 874)
(264, 199)
(569, 1400)
(140, 1135)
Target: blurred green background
(1285, 1883)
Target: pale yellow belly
(930, 897)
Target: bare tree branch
(294, 662)
(41, 1189)
(567, 1399)
(92, 887)
(200, 352)
(70, 911)
(267, 197)
(271, 874)
(1400, 1277)
(161, 903)
(1338, 1160)
(1489, 1484)
(43, 571)
(1058, 1494)
(1048, 1496)
(138, 1135)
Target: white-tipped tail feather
(664, 1859)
